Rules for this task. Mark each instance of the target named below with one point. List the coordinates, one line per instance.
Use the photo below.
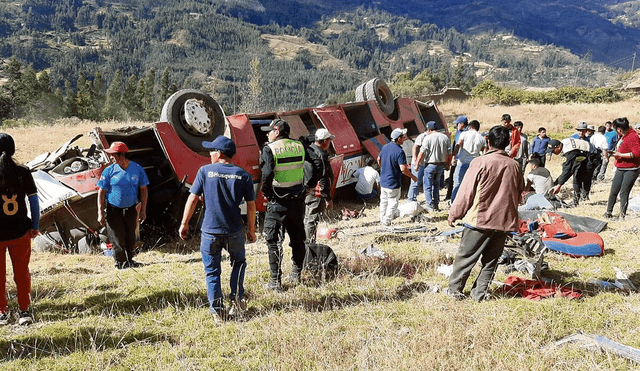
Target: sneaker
(238, 307)
(4, 319)
(454, 294)
(25, 318)
(135, 264)
(122, 265)
(274, 286)
(294, 278)
(608, 215)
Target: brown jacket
(490, 192)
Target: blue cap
(222, 144)
(461, 119)
(431, 125)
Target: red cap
(117, 147)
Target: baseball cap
(222, 144)
(7, 144)
(323, 134)
(280, 124)
(637, 126)
(553, 143)
(397, 133)
(460, 119)
(117, 147)
(432, 125)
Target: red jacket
(630, 142)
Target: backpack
(320, 259)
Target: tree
(70, 106)
(84, 99)
(129, 96)
(112, 105)
(253, 95)
(147, 95)
(164, 86)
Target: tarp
(577, 223)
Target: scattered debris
(445, 269)
(625, 351)
(624, 280)
(372, 251)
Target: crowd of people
(485, 186)
(487, 180)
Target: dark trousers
(541, 157)
(284, 215)
(621, 184)
(581, 182)
(485, 245)
(121, 230)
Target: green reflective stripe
(288, 156)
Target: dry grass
(558, 119)
(375, 315)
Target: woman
(16, 228)
(117, 199)
(627, 163)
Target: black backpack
(320, 259)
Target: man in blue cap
(223, 186)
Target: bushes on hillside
(509, 96)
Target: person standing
(414, 187)
(600, 142)
(627, 163)
(16, 229)
(523, 150)
(283, 185)
(488, 204)
(514, 135)
(393, 163)
(435, 150)
(581, 131)
(576, 154)
(612, 138)
(462, 125)
(319, 199)
(223, 186)
(119, 186)
(539, 146)
(470, 145)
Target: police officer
(282, 164)
(576, 155)
(319, 199)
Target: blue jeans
(414, 186)
(211, 246)
(431, 184)
(458, 175)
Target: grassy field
(377, 314)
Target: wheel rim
(194, 118)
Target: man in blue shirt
(393, 163)
(223, 187)
(612, 137)
(117, 198)
(539, 146)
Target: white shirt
(599, 141)
(541, 179)
(472, 144)
(367, 178)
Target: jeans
(415, 186)
(364, 197)
(388, 204)
(458, 175)
(622, 183)
(603, 168)
(211, 246)
(432, 184)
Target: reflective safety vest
(288, 155)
